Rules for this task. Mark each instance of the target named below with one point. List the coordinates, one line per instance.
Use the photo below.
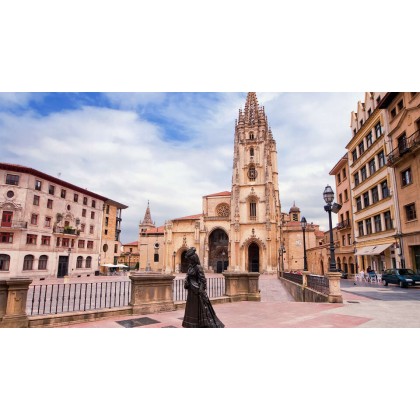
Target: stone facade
(403, 116)
(49, 227)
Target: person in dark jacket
(199, 312)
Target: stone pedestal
(151, 292)
(335, 295)
(14, 315)
(242, 285)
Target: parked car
(343, 274)
(404, 277)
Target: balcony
(405, 145)
(66, 230)
(15, 224)
(344, 224)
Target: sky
(170, 149)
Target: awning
(372, 250)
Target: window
(340, 198)
(106, 221)
(36, 200)
(42, 262)
(48, 222)
(106, 232)
(58, 242)
(356, 179)
(31, 239)
(393, 113)
(372, 166)
(359, 203)
(346, 195)
(115, 248)
(381, 158)
(410, 212)
(369, 139)
(93, 203)
(388, 220)
(354, 155)
(10, 194)
(89, 244)
(361, 123)
(88, 262)
(45, 240)
(368, 226)
(343, 240)
(349, 238)
(402, 143)
(252, 173)
(85, 201)
(79, 262)
(34, 219)
(406, 177)
(63, 193)
(38, 185)
(12, 179)
(375, 194)
(91, 228)
(338, 178)
(51, 189)
(65, 242)
(81, 243)
(251, 135)
(378, 223)
(378, 130)
(360, 227)
(107, 209)
(84, 213)
(82, 227)
(400, 105)
(4, 262)
(384, 189)
(344, 173)
(253, 210)
(363, 173)
(156, 258)
(361, 148)
(366, 202)
(28, 262)
(92, 214)
(76, 198)
(49, 204)
(6, 237)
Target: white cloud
(117, 153)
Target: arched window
(251, 152)
(88, 262)
(252, 173)
(79, 262)
(28, 262)
(42, 262)
(251, 135)
(253, 210)
(4, 262)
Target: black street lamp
(223, 261)
(303, 223)
(330, 207)
(173, 257)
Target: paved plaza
(364, 306)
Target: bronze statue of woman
(199, 312)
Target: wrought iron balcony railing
(405, 146)
(344, 224)
(65, 231)
(15, 224)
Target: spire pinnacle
(147, 216)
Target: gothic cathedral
(238, 230)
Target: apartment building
(49, 227)
(372, 186)
(403, 119)
(344, 232)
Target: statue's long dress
(199, 312)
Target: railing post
(151, 292)
(242, 286)
(305, 275)
(334, 295)
(14, 315)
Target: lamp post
(173, 261)
(303, 223)
(129, 258)
(223, 260)
(330, 207)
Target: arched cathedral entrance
(253, 258)
(218, 250)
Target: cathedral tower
(255, 233)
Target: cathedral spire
(147, 216)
